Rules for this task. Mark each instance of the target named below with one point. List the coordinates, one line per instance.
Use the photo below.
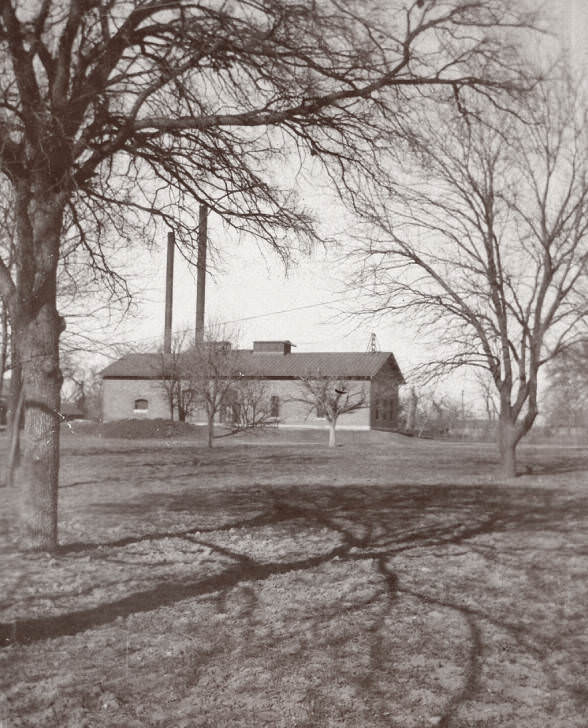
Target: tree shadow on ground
(372, 524)
(379, 520)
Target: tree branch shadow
(370, 524)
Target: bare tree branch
(486, 244)
(115, 115)
(329, 398)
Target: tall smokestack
(169, 292)
(201, 272)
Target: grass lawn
(274, 582)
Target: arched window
(141, 405)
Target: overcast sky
(304, 306)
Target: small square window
(141, 405)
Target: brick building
(133, 388)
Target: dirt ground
(274, 582)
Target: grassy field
(274, 582)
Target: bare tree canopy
(116, 112)
(203, 380)
(329, 398)
(209, 370)
(179, 397)
(148, 106)
(486, 244)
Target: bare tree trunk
(3, 345)
(37, 475)
(36, 330)
(210, 429)
(332, 434)
(507, 444)
(14, 415)
(14, 439)
(512, 427)
(181, 411)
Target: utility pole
(201, 273)
(169, 292)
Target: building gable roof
(345, 365)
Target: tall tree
(7, 252)
(486, 244)
(4, 345)
(8, 354)
(116, 112)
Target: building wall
(296, 414)
(120, 395)
(384, 402)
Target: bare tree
(113, 114)
(7, 252)
(173, 375)
(90, 397)
(209, 371)
(206, 377)
(439, 414)
(252, 406)
(8, 352)
(486, 245)
(81, 385)
(329, 398)
(489, 395)
(91, 298)
(4, 345)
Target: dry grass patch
(387, 583)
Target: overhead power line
(286, 310)
(146, 339)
